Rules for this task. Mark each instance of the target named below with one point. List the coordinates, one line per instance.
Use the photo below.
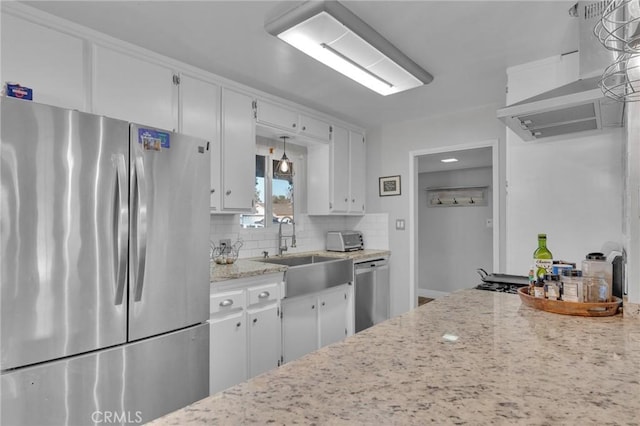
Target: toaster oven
(344, 241)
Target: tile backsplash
(310, 232)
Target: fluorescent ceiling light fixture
(333, 35)
(449, 160)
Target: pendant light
(284, 168)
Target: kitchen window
(274, 196)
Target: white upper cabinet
(238, 151)
(199, 116)
(276, 116)
(133, 89)
(70, 67)
(357, 171)
(314, 128)
(339, 166)
(49, 62)
(336, 174)
(199, 107)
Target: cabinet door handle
(255, 320)
(294, 125)
(238, 324)
(263, 295)
(226, 302)
(228, 192)
(346, 200)
(304, 127)
(313, 306)
(353, 200)
(213, 190)
(323, 303)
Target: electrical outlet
(400, 224)
(225, 246)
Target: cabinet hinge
(281, 359)
(345, 331)
(330, 130)
(330, 205)
(278, 312)
(176, 79)
(254, 106)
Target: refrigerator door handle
(121, 227)
(140, 226)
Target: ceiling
(466, 45)
(467, 159)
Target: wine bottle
(542, 257)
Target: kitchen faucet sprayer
(282, 242)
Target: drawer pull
(226, 302)
(263, 295)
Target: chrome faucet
(282, 241)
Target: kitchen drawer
(226, 302)
(264, 293)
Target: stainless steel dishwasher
(371, 292)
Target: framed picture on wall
(389, 185)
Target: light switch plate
(400, 224)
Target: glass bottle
(542, 257)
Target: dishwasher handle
(370, 264)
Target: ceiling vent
(576, 107)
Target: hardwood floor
(423, 300)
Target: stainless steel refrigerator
(104, 231)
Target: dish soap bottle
(542, 257)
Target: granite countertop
(511, 364)
(251, 267)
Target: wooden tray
(604, 309)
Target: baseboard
(432, 294)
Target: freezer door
(169, 255)
(128, 384)
(64, 222)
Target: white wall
(388, 153)
(453, 241)
(570, 188)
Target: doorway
(454, 216)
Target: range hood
(576, 107)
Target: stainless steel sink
(310, 274)
(297, 260)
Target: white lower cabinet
(332, 316)
(316, 320)
(265, 349)
(245, 330)
(228, 352)
(299, 326)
